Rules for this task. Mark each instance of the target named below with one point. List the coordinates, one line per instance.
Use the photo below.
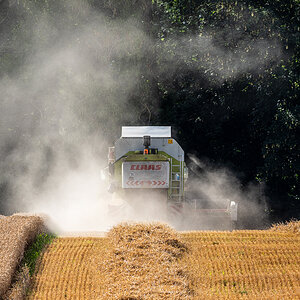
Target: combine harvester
(147, 172)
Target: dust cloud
(60, 110)
(66, 104)
(223, 64)
(213, 187)
(234, 45)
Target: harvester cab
(147, 163)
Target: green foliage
(224, 108)
(33, 252)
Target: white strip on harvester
(140, 131)
(141, 175)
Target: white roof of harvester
(140, 131)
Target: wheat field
(157, 263)
(64, 271)
(244, 264)
(136, 261)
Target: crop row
(64, 270)
(243, 264)
(151, 263)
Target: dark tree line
(224, 74)
(246, 111)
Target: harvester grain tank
(147, 160)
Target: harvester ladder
(176, 185)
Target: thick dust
(67, 102)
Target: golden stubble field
(64, 271)
(244, 264)
(137, 261)
(154, 262)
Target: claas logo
(145, 167)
